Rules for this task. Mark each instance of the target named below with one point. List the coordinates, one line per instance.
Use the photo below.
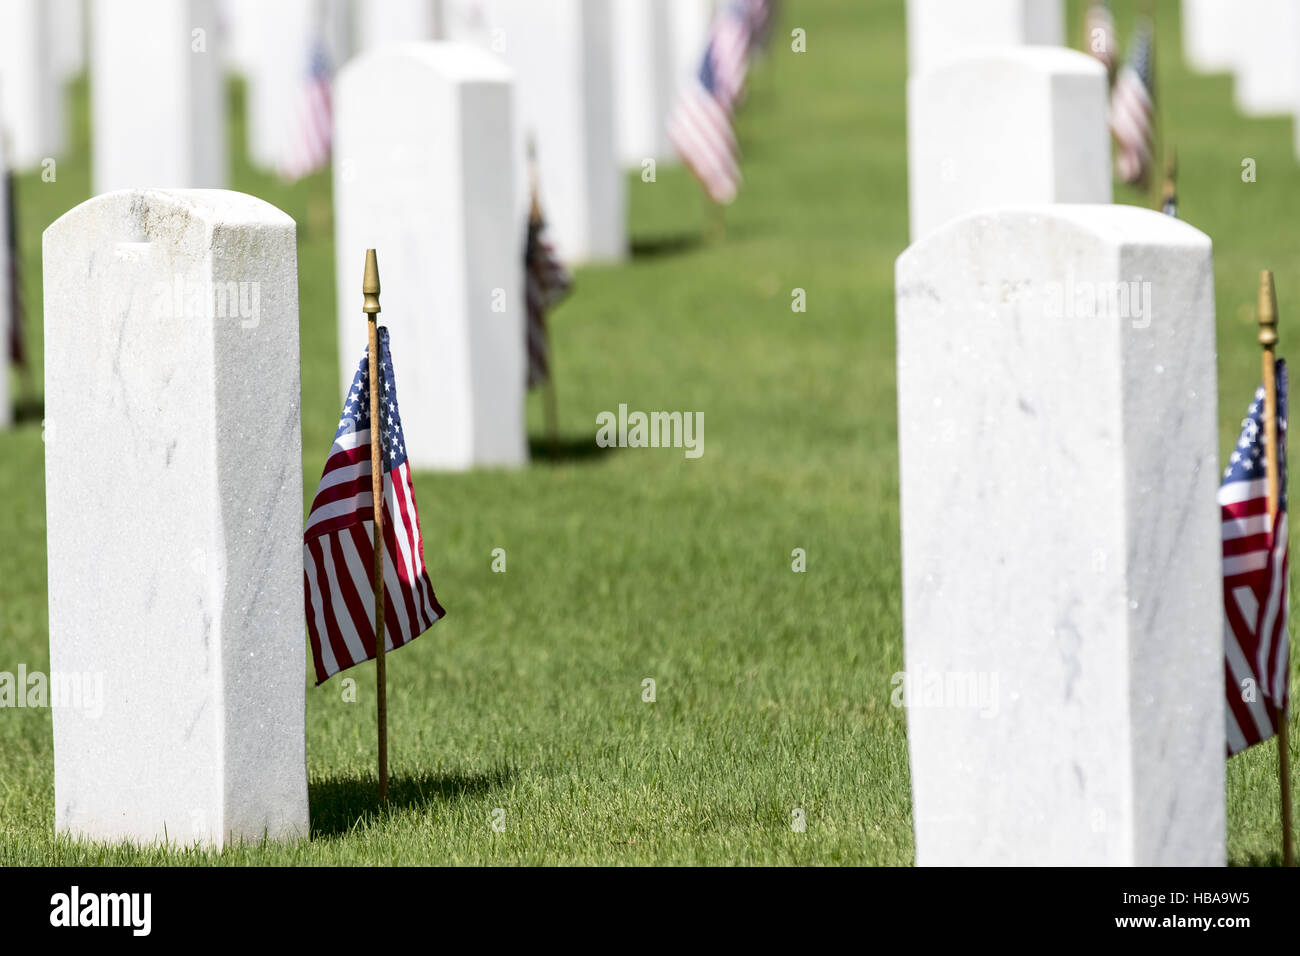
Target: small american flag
(546, 283)
(700, 126)
(1132, 109)
(338, 552)
(14, 307)
(313, 124)
(1099, 35)
(1256, 595)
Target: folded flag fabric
(546, 283)
(14, 307)
(338, 553)
(1256, 596)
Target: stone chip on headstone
(1058, 440)
(425, 174)
(173, 481)
(1007, 125)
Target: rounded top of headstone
(146, 208)
(459, 62)
(1117, 225)
(1032, 60)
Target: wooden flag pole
(370, 306)
(1268, 342)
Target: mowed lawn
(772, 688)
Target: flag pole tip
(370, 284)
(1267, 309)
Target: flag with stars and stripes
(338, 552)
(312, 129)
(1256, 595)
(1132, 109)
(1099, 35)
(700, 127)
(546, 283)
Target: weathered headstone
(1007, 125)
(1212, 34)
(1267, 67)
(1058, 441)
(31, 90)
(559, 52)
(157, 94)
(173, 484)
(424, 173)
(381, 23)
(940, 30)
(644, 79)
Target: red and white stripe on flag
(700, 130)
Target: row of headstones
(596, 81)
(1058, 439)
(1258, 41)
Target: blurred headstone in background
(382, 22)
(7, 317)
(171, 338)
(424, 173)
(158, 101)
(1063, 618)
(1007, 126)
(689, 21)
(287, 36)
(560, 54)
(239, 24)
(1213, 34)
(939, 30)
(644, 79)
(31, 82)
(1268, 64)
(68, 37)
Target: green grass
(772, 687)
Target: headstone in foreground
(1006, 126)
(173, 477)
(31, 91)
(1061, 552)
(940, 30)
(158, 104)
(424, 173)
(560, 54)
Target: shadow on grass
(660, 247)
(339, 803)
(566, 450)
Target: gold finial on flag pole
(370, 306)
(1268, 343)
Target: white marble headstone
(1268, 62)
(1213, 34)
(286, 31)
(69, 37)
(173, 483)
(1058, 442)
(689, 21)
(560, 53)
(157, 94)
(424, 174)
(382, 23)
(31, 82)
(644, 79)
(1006, 125)
(941, 30)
